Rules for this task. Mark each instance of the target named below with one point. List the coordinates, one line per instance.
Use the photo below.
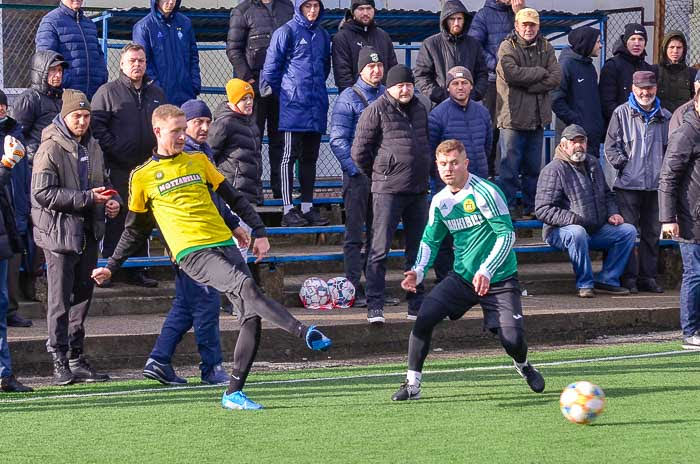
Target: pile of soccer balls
(581, 402)
(338, 292)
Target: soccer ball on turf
(314, 294)
(342, 292)
(581, 402)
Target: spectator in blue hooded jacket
(296, 67)
(356, 195)
(490, 25)
(577, 101)
(171, 51)
(67, 31)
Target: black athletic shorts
(501, 305)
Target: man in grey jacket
(71, 195)
(635, 145)
(579, 213)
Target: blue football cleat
(237, 400)
(316, 340)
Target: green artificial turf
(652, 416)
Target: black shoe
(360, 302)
(83, 371)
(294, 219)
(610, 289)
(15, 320)
(649, 286)
(375, 316)
(391, 301)
(62, 374)
(533, 377)
(315, 218)
(630, 285)
(406, 392)
(142, 280)
(105, 283)
(11, 384)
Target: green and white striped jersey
(478, 219)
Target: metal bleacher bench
(155, 261)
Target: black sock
(513, 340)
(244, 352)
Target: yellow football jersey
(176, 190)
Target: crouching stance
(172, 189)
(475, 213)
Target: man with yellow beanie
(235, 141)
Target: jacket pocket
(256, 50)
(63, 233)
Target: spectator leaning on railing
(121, 122)
(679, 211)
(172, 58)
(250, 31)
(66, 30)
(69, 205)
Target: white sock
(306, 207)
(520, 365)
(288, 208)
(413, 378)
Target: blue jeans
(690, 288)
(5, 363)
(521, 154)
(197, 306)
(617, 240)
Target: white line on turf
(348, 377)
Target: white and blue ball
(581, 402)
(314, 294)
(342, 292)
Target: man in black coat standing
(250, 30)
(358, 30)
(449, 48)
(679, 211)
(121, 122)
(391, 147)
(616, 76)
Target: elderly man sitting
(579, 212)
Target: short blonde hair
(450, 145)
(165, 112)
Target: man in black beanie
(576, 101)
(356, 30)
(616, 76)
(391, 147)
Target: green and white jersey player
(475, 212)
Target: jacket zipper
(87, 54)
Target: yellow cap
(236, 89)
(527, 15)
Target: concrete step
(125, 341)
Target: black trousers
(388, 210)
(302, 146)
(115, 226)
(490, 103)
(70, 290)
(267, 115)
(641, 209)
(358, 226)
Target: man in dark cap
(635, 144)
(70, 199)
(576, 101)
(580, 213)
(357, 30)
(616, 75)
(391, 148)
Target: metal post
(603, 40)
(105, 36)
(659, 27)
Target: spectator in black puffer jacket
(675, 76)
(679, 211)
(235, 141)
(358, 30)
(36, 107)
(580, 213)
(616, 76)
(449, 48)
(250, 30)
